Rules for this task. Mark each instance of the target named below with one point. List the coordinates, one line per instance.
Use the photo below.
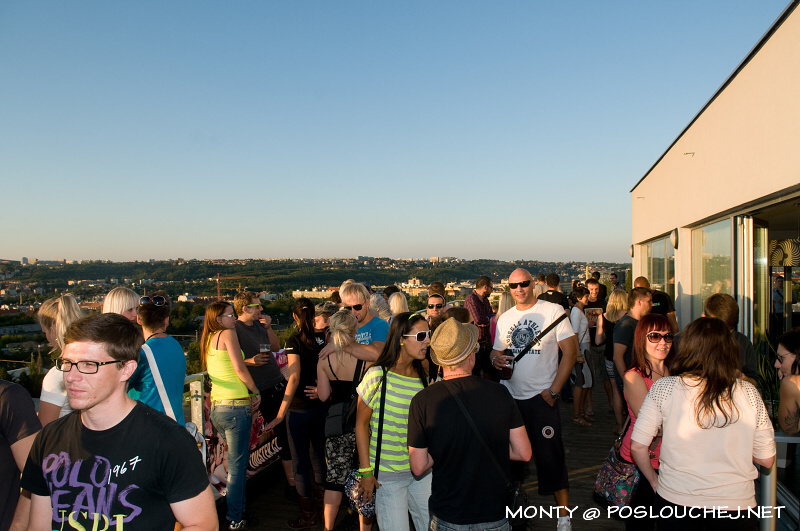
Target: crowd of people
(412, 404)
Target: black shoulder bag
(517, 497)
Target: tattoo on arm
(791, 421)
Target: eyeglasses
(655, 337)
(256, 305)
(523, 284)
(228, 315)
(356, 307)
(437, 306)
(85, 367)
(420, 336)
(158, 300)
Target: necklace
(456, 375)
(153, 335)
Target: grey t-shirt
(250, 339)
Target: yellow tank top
(225, 383)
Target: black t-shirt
(250, 340)
(662, 303)
(555, 297)
(308, 367)
(130, 472)
(623, 333)
(17, 420)
(467, 488)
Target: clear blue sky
(197, 129)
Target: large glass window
(711, 263)
(659, 265)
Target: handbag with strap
(341, 417)
(357, 503)
(517, 497)
(191, 428)
(617, 480)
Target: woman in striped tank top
(396, 490)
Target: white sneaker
(564, 524)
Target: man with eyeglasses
(168, 356)
(114, 462)
(436, 305)
(537, 381)
(372, 330)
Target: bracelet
(364, 474)
(365, 469)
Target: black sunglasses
(655, 337)
(420, 336)
(158, 300)
(437, 306)
(356, 307)
(523, 284)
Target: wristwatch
(554, 396)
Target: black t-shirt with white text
(122, 478)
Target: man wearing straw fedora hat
(441, 437)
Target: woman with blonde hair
(234, 397)
(397, 304)
(336, 380)
(617, 307)
(54, 316)
(123, 301)
(506, 303)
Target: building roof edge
(761, 42)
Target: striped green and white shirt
(394, 444)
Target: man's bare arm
(198, 513)
(519, 446)
(420, 460)
(619, 357)
(569, 353)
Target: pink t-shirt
(625, 449)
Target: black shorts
(543, 424)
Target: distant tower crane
(218, 278)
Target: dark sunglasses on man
(158, 300)
(437, 306)
(356, 307)
(523, 284)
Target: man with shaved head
(537, 381)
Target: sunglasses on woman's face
(655, 337)
(523, 284)
(437, 306)
(420, 336)
(158, 300)
(356, 307)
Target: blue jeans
(394, 499)
(234, 424)
(441, 525)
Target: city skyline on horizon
(507, 130)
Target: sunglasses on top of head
(356, 307)
(523, 284)
(420, 336)
(158, 300)
(655, 337)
